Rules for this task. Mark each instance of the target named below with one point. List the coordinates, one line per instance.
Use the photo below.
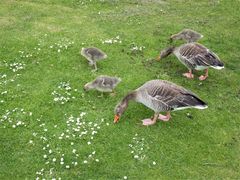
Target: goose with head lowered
(194, 56)
(160, 96)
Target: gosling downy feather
(187, 35)
(160, 96)
(93, 55)
(103, 83)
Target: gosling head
(82, 51)
(188, 35)
(88, 86)
(176, 36)
(179, 36)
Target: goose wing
(172, 97)
(199, 56)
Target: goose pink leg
(164, 118)
(149, 122)
(189, 75)
(203, 77)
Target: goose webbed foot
(164, 118)
(189, 75)
(148, 122)
(203, 77)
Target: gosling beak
(158, 58)
(116, 118)
(86, 88)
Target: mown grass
(205, 146)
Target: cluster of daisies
(67, 154)
(112, 40)
(16, 66)
(138, 148)
(24, 54)
(135, 48)
(14, 118)
(63, 93)
(61, 45)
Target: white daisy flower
(136, 156)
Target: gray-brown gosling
(93, 55)
(103, 83)
(160, 96)
(194, 56)
(187, 35)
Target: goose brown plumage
(194, 56)
(160, 96)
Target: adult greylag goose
(93, 55)
(103, 83)
(194, 56)
(160, 96)
(187, 35)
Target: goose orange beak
(116, 118)
(158, 58)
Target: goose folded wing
(173, 98)
(189, 53)
(174, 102)
(206, 58)
(164, 95)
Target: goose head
(122, 106)
(166, 52)
(119, 110)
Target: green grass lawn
(50, 128)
